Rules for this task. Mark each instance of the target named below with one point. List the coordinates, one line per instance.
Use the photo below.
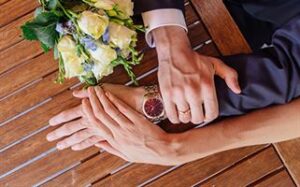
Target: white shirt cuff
(159, 18)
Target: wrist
(138, 99)
(170, 37)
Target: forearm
(260, 127)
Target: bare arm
(270, 125)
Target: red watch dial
(154, 107)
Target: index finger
(65, 116)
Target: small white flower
(93, 24)
(72, 62)
(120, 35)
(102, 56)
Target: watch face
(154, 107)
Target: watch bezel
(148, 97)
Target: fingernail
(49, 137)
(75, 148)
(107, 94)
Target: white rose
(93, 24)
(72, 62)
(102, 56)
(100, 70)
(126, 6)
(104, 4)
(120, 35)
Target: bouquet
(88, 37)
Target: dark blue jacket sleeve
(268, 77)
(147, 5)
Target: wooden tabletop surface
(29, 98)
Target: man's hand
(186, 78)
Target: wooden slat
(11, 33)
(132, 175)
(248, 171)
(3, 1)
(31, 96)
(25, 125)
(190, 15)
(14, 9)
(17, 54)
(192, 172)
(289, 152)
(281, 179)
(43, 168)
(33, 69)
(221, 27)
(91, 170)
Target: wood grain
(204, 168)
(132, 175)
(281, 179)
(248, 170)
(88, 172)
(31, 96)
(221, 27)
(30, 71)
(14, 9)
(289, 152)
(3, 1)
(43, 168)
(11, 33)
(15, 55)
(25, 124)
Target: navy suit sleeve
(268, 77)
(147, 5)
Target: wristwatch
(153, 107)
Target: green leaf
(45, 48)
(42, 28)
(56, 53)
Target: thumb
(83, 93)
(229, 75)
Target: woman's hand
(75, 124)
(127, 133)
(78, 134)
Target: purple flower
(59, 28)
(105, 37)
(88, 66)
(89, 43)
(65, 28)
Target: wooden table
(28, 98)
